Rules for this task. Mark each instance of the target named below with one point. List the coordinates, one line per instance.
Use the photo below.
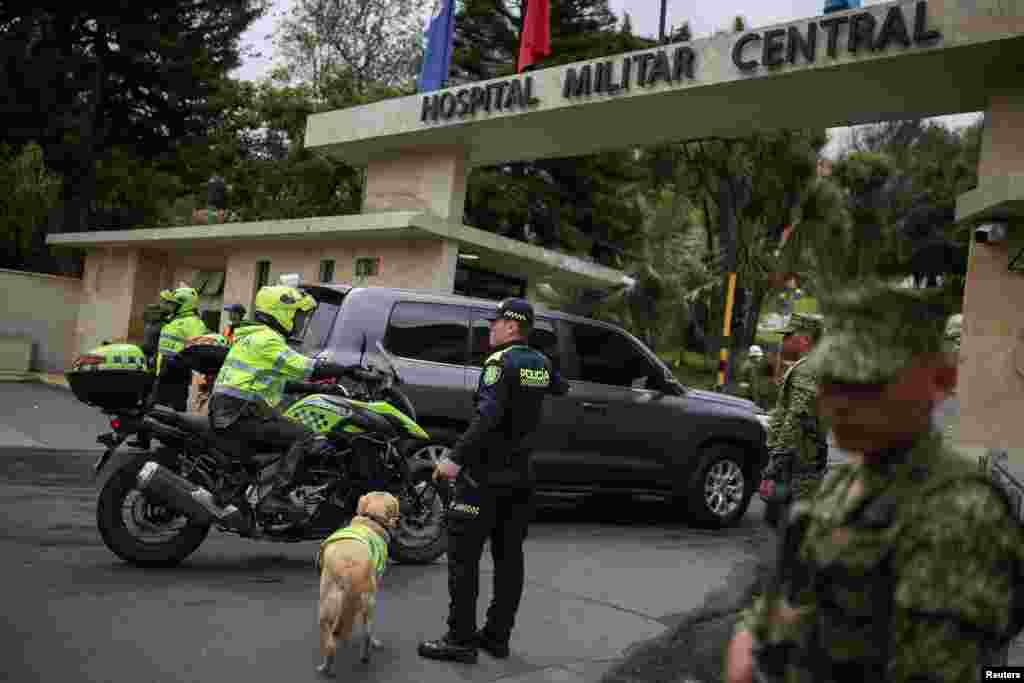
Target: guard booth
(908, 59)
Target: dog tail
(334, 608)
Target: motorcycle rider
(251, 383)
(181, 323)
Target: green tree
(140, 80)
(30, 192)
(583, 205)
(373, 42)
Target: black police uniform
(509, 399)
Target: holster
(466, 501)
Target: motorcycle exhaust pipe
(187, 498)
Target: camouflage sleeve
(955, 581)
(775, 422)
(802, 401)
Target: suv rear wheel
(720, 488)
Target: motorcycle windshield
(384, 408)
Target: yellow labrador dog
(351, 562)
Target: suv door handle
(595, 407)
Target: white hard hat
(755, 350)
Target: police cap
(516, 309)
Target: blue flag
(840, 5)
(438, 56)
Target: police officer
(494, 480)
(236, 312)
(154, 317)
(250, 385)
(906, 564)
(183, 324)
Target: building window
(367, 266)
(327, 270)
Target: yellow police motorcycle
(156, 507)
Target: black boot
(277, 501)
(449, 649)
(495, 647)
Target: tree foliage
(362, 45)
(140, 79)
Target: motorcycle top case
(111, 377)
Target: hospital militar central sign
(770, 49)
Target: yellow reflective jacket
(175, 335)
(259, 364)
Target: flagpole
(661, 33)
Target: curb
(49, 379)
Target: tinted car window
(432, 332)
(542, 338)
(608, 357)
(319, 328)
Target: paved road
(600, 578)
(42, 416)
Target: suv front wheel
(720, 488)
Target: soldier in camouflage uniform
(903, 567)
(796, 440)
(752, 374)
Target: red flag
(536, 40)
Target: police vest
(258, 366)
(175, 335)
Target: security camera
(990, 233)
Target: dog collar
(383, 523)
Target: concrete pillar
(444, 276)
(108, 296)
(428, 180)
(991, 390)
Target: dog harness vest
(358, 532)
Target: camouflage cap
(877, 329)
(805, 323)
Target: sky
(645, 14)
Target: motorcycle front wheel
(422, 534)
(138, 530)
